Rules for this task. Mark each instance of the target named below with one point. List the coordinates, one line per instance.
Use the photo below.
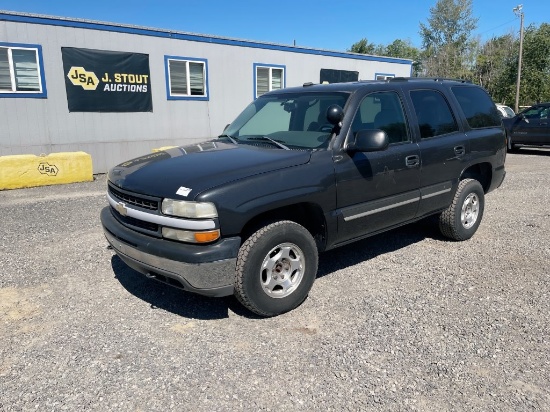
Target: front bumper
(204, 269)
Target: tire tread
(242, 258)
(447, 224)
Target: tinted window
(537, 112)
(479, 109)
(382, 111)
(434, 115)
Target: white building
(184, 89)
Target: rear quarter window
(477, 106)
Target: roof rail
(435, 79)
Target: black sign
(106, 81)
(338, 76)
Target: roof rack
(435, 79)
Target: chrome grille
(134, 200)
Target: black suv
(529, 127)
(300, 171)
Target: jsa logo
(80, 77)
(48, 169)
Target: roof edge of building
(20, 17)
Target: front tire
(462, 218)
(276, 268)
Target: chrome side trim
(436, 190)
(162, 220)
(381, 209)
(392, 202)
(436, 193)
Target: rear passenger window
(434, 115)
(479, 109)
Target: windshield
(297, 121)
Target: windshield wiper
(275, 142)
(233, 140)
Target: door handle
(460, 150)
(412, 161)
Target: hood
(186, 171)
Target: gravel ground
(403, 321)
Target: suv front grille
(152, 227)
(135, 200)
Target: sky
(320, 24)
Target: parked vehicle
(529, 127)
(505, 111)
(301, 171)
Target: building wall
(35, 126)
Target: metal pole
(519, 12)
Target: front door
(532, 128)
(378, 190)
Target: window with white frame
(186, 78)
(382, 76)
(268, 78)
(20, 70)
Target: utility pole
(518, 11)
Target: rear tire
(462, 218)
(276, 268)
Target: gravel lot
(402, 321)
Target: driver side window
(382, 111)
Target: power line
(503, 24)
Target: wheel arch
(482, 172)
(308, 215)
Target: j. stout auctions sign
(106, 81)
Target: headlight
(189, 236)
(193, 210)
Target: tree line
(451, 50)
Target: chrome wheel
(470, 211)
(276, 268)
(462, 218)
(282, 270)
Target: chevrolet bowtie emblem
(121, 208)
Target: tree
(364, 47)
(404, 50)
(535, 72)
(449, 49)
(535, 76)
(493, 62)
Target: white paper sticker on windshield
(183, 191)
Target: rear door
(443, 148)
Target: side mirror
(335, 114)
(522, 117)
(369, 141)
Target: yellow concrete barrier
(19, 171)
(160, 149)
